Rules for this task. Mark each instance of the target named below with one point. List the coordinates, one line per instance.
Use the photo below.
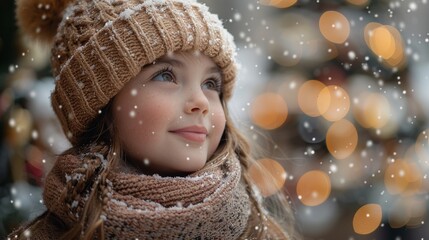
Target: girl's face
(170, 118)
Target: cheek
(140, 134)
(148, 116)
(218, 120)
(144, 113)
(138, 119)
(218, 125)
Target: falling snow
(285, 48)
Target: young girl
(141, 92)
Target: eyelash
(167, 69)
(217, 81)
(217, 84)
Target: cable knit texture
(211, 204)
(101, 44)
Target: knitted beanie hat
(99, 45)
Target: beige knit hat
(99, 45)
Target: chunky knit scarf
(210, 204)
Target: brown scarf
(211, 204)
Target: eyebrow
(180, 64)
(172, 61)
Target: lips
(196, 134)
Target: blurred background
(335, 94)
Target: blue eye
(165, 75)
(212, 84)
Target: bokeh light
(386, 42)
(19, 126)
(372, 110)
(367, 219)
(333, 103)
(368, 31)
(268, 175)
(308, 95)
(313, 188)
(403, 177)
(269, 111)
(341, 139)
(358, 2)
(398, 58)
(334, 26)
(382, 43)
(279, 3)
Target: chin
(190, 167)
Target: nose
(197, 102)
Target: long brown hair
(268, 214)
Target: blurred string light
(375, 103)
(367, 219)
(314, 98)
(371, 110)
(313, 188)
(384, 41)
(268, 175)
